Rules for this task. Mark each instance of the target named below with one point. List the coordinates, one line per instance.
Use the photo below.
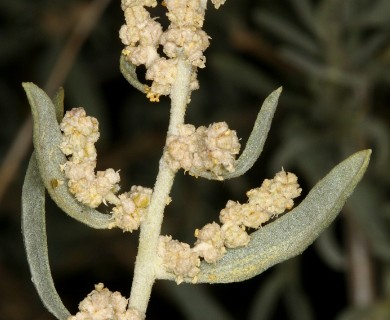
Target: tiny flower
(254, 215)
(77, 171)
(76, 122)
(234, 236)
(191, 43)
(218, 3)
(129, 211)
(222, 146)
(163, 73)
(141, 196)
(125, 215)
(188, 14)
(178, 258)
(232, 213)
(210, 243)
(276, 195)
(131, 3)
(86, 191)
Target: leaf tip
(366, 155)
(276, 93)
(26, 85)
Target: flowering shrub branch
(241, 247)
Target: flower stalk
(145, 265)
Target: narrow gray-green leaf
(128, 71)
(47, 138)
(34, 236)
(291, 234)
(256, 140)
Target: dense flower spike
(203, 149)
(271, 199)
(276, 195)
(80, 132)
(102, 304)
(142, 36)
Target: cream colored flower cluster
(178, 258)
(142, 36)
(271, 199)
(211, 149)
(130, 208)
(102, 304)
(80, 132)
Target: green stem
(145, 265)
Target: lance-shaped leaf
(35, 240)
(128, 71)
(47, 139)
(256, 140)
(292, 233)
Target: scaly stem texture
(145, 265)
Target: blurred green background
(332, 58)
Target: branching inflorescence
(171, 58)
(195, 150)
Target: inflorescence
(211, 149)
(102, 304)
(80, 132)
(194, 150)
(199, 150)
(274, 197)
(142, 36)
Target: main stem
(145, 264)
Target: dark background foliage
(332, 58)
